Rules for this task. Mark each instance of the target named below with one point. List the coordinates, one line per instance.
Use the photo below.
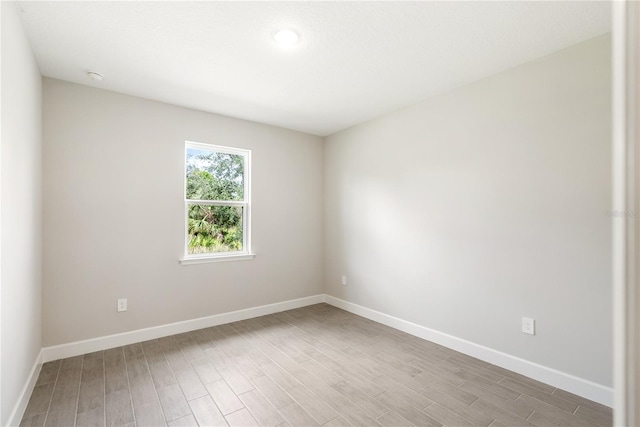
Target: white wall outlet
(344, 280)
(528, 326)
(122, 304)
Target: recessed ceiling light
(286, 38)
(94, 76)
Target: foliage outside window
(216, 201)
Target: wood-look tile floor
(312, 366)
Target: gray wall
(20, 211)
(113, 215)
(469, 210)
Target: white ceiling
(355, 60)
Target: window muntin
(217, 201)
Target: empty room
(312, 214)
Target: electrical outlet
(122, 304)
(528, 326)
(344, 280)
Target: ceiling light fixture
(286, 38)
(94, 76)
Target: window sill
(216, 258)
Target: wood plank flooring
(313, 366)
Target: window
(217, 203)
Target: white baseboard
(25, 393)
(561, 380)
(110, 341)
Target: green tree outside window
(216, 177)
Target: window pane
(214, 176)
(214, 229)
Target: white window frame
(246, 253)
